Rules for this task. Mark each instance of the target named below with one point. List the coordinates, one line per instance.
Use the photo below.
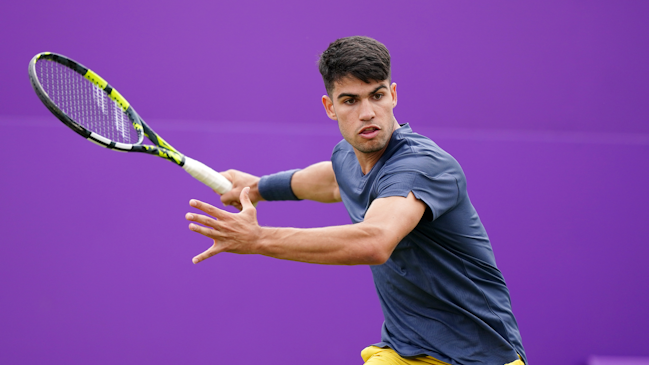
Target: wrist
(264, 241)
(277, 186)
(254, 194)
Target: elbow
(376, 245)
(378, 257)
(380, 251)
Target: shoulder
(417, 164)
(343, 151)
(416, 153)
(343, 159)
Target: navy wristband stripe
(277, 186)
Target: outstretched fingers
(230, 232)
(209, 232)
(205, 231)
(202, 219)
(209, 209)
(206, 254)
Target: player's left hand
(230, 232)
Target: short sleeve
(439, 193)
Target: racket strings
(84, 102)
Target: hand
(231, 232)
(239, 181)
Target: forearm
(316, 182)
(371, 242)
(355, 244)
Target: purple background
(544, 105)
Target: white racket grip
(207, 176)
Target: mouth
(369, 131)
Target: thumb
(206, 254)
(244, 198)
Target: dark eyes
(352, 101)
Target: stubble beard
(373, 146)
(371, 149)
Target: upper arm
(316, 182)
(392, 218)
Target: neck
(368, 160)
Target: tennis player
(443, 298)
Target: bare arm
(370, 242)
(316, 182)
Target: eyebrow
(343, 95)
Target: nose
(366, 112)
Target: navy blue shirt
(441, 292)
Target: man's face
(364, 112)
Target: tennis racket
(87, 104)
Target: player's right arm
(316, 182)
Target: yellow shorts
(377, 356)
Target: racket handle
(207, 176)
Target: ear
(329, 107)
(393, 91)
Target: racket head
(85, 102)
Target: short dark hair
(361, 57)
